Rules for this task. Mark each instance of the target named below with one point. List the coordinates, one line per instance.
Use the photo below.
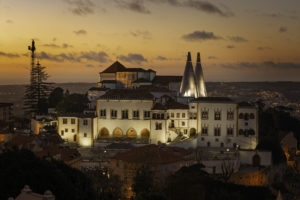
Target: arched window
(145, 133)
(131, 133)
(256, 160)
(103, 133)
(117, 132)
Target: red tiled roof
(153, 154)
(115, 67)
(127, 94)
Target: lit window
(230, 115)
(183, 115)
(113, 114)
(178, 115)
(124, 114)
(85, 122)
(217, 115)
(136, 114)
(103, 113)
(218, 131)
(204, 115)
(204, 131)
(146, 114)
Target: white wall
(69, 134)
(247, 156)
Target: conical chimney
(201, 89)
(188, 85)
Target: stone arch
(131, 133)
(192, 132)
(145, 133)
(103, 133)
(256, 160)
(117, 132)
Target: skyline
(238, 41)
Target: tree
(36, 94)
(72, 103)
(55, 97)
(227, 169)
(22, 167)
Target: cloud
(9, 21)
(81, 7)
(273, 15)
(282, 29)
(80, 32)
(133, 58)
(65, 45)
(9, 55)
(212, 57)
(237, 39)
(133, 5)
(200, 36)
(143, 34)
(162, 58)
(264, 65)
(55, 46)
(100, 57)
(90, 66)
(230, 46)
(207, 7)
(263, 48)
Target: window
(103, 113)
(208, 144)
(136, 114)
(85, 122)
(204, 115)
(241, 116)
(192, 107)
(113, 114)
(204, 131)
(222, 144)
(246, 116)
(172, 115)
(246, 123)
(154, 116)
(217, 139)
(252, 116)
(172, 125)
(65, 120)
(85, 135)
(162, 116)
(62, 132)
(230, 131)
(73, 130)
(66, 130)
(217, 115)
(72, 121)
(218, 131)
(146, 114)
(124, 114)
(230, 115)
(202, 139)
(178, 115)
(183, 115)
(158, 126)
(182, 123)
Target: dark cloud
(100, 57)
(90, 66)
(80, 32)
(273, 15)
(237, 39)
(207, 7)
(133, 58)
(230, 46)
(143, 34)
(162, 58)
(9, 55)
(282, 29)
(264, 65)
(212, 57)
(200, 36)
(55, 46)
(9, 21)
(263, 48)
(81, 7)
(133, 5)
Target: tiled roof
(108, 81)
(213, 99)
(159, 106)
(166, 79)
(79, 115)
(153, 154)
(141, 80)
(115, 67)
(170, 105)
(127, 94)
(98, 89)
(152, 88)
(6, 105)
(245, 104)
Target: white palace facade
(132, 107)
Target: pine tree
(36, 94)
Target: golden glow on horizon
(160, 35)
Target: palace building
(136, 106)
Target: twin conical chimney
(188, 86)
(199, 78)
(192, 84)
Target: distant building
(161, 160)
(27, 194)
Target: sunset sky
(239, 40)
